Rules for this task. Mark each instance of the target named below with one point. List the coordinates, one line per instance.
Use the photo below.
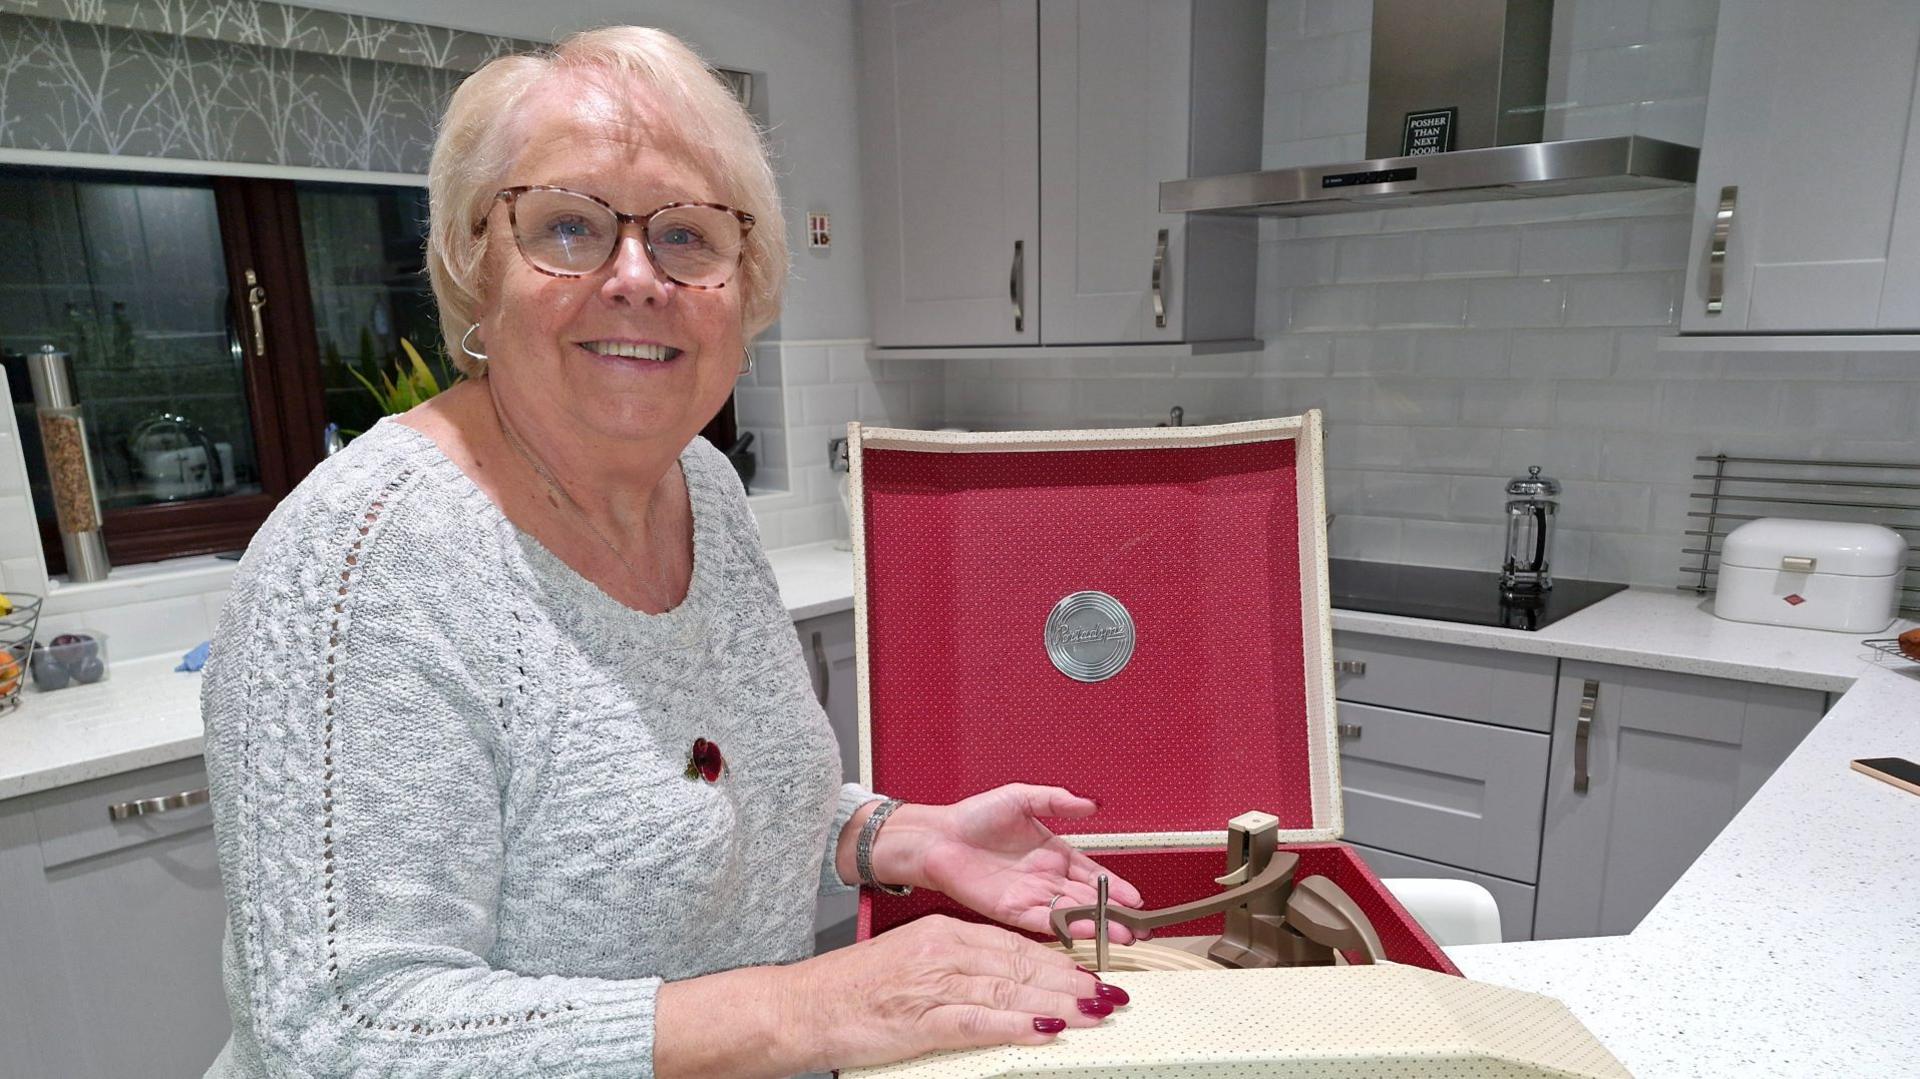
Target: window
(214, 327)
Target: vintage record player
(1140, 616)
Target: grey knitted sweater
(448, 781)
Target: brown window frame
(259, 232)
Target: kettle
(1530, 512)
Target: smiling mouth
(628, 351)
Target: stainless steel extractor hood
(1458, 91)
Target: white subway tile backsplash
(1451, 543)
(1864, 409)
(805, 365)
(1470, 252)
(1627, 299)
(1507, 403)
(1400, 494)
(26, 573)
(1420, 303)
(1580, 247)
(1461, 354)
(1561, 453)
(1296, 354)
(829, 403)
(1048, 397)
(1658, 243)
(13, 476)
(1679, 18)
(1565, 353)
(1724, 405)
(1616, 405)
(1371, 539)
(1412, 401)
(1373, 353)
(1620, 507)
(1379, 257)
(1292, 263)
(1332, 307)
(1516, 301)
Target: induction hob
(1455, 595)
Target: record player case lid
(1212, 539)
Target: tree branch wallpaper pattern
(229, 80)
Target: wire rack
(1735, 490)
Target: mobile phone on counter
(1898, 771)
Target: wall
(1453, 346)
(804, 49)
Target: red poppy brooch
(705, 761)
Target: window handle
(257, 299)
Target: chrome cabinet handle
(1583, 733)
(1794, 563)
(1015, 286)
(1350, 666)
(257, 299)
(1159, 281)
(820, 661)
(1349, 731)
(146, 807)
(1717, 251)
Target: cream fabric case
(1324, 1022)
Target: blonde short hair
(478, 142)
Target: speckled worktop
(1791, 947)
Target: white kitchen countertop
(1788, 948)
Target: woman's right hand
(940, 983)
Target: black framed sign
(1428, 132)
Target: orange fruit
(9, 673)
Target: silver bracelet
(863, 848)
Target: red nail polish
(1047, 1024)
(1083, 970)
(1095, 1007)
(1112, 993)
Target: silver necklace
(560, 492)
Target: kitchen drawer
(1507, 688)
(1515, 900)
(1464, 794)
(72, 821)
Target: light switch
(819, 231)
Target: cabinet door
(1808, 115)
(111, 936)
(951, 164)
(827, 644)
(1670, 758)
(1114, 77)
(1514, 900)
(1466, 794)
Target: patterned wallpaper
(229, 80)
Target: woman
(515, 762)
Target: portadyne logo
(1089, 636)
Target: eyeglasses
(566, 233)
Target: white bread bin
(1812, 574)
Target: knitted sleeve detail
(353, 710)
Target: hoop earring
(746, 367)
(467, 348)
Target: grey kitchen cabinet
(1013, 155)
(1812, 148)
(1510, 689)
(828, 646)
(1647, 767)
(1515, 900)
(950, 170)
(111, 931)
(1463, 793)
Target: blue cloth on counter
(197, 658)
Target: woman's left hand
(991, 853)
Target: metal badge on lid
(1089, 636)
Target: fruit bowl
(19, 614)
(77, 658)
